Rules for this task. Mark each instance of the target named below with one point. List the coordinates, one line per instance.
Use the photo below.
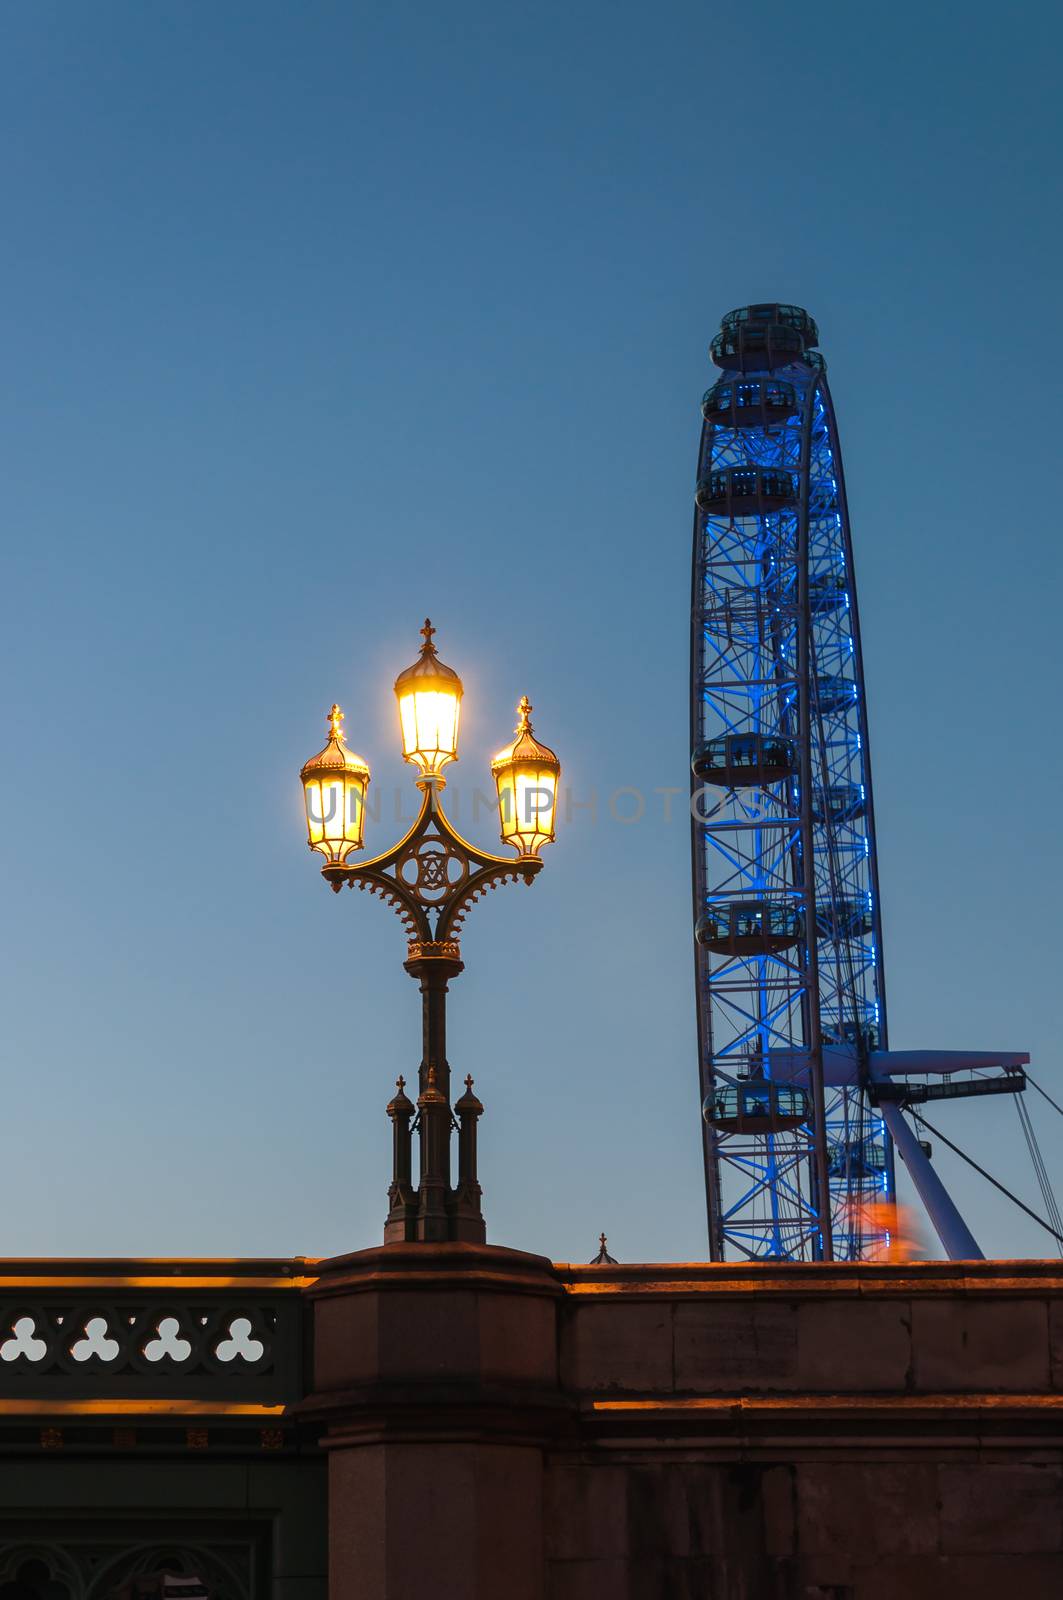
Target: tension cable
(923, 1123)
(1044, 1182)
(1043, 1093)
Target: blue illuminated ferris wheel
(802, 1097)
(788, 934)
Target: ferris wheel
(802, 1097)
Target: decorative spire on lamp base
(402, 1196)
(467, 1215)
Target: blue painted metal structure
(786, 904)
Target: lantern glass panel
(335, 814)
(429, 719)
(315, 812)
(527, 795)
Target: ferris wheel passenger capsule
(762, 337)
(744, 760)
(747, 491)
(856, 1158)
(759, 1106)
(835, 693)
(844, 919)
(827, 591)
(838, 802)
(749, 927)
(750, 402)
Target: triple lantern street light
(431, 878)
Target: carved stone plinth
(435, 1383)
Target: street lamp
(429, 696)
(334, 785)
(432, 877)
(526, 774)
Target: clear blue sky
(320, 317)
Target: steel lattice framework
(786, 905)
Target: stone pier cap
(408, 1324)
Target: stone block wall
(798, 1432)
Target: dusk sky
(324, 317)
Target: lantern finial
(524, 711)
(427, 632)
(335, 721)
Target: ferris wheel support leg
(957, 1240)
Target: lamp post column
(433, 972)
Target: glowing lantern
(429, 696)
(334, 785)
(526, 774)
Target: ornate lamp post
(431, 878)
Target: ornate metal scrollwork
(432, 877)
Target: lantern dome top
(336, 759)
(428, 672)
(469, 1104)
(400, 1105)
(525, 747)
